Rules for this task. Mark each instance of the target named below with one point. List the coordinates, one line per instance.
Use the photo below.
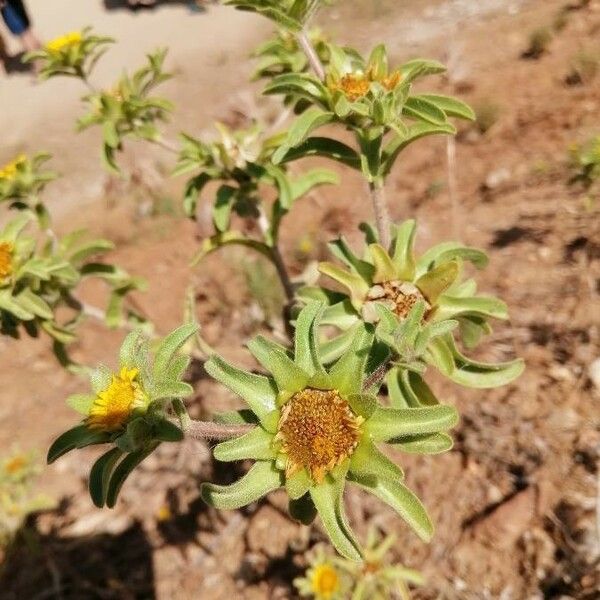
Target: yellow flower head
(9, 170)
(318, 431)
(356, 85)
(73, 38)
(113, 406)
(6, 260)
(15, 464)
(325, 582)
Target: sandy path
(203, 49)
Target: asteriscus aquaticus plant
(323, 580)
(318, 428)
(128, 408)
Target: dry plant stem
(166, 145)
(276, 258)
(382, 216)
(311, 55)
(207, 430)
(452, 186)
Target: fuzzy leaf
(122, 471)
(435, 282)
(327, 497)
(389, 423)
(100, 474)
(81, 403)
(77, 437)
(368, 463)
(261, 479)
(254, 445)
(170, 345)
(258, 391)
(348, 373)
(403, 256)
(432, 443)
(306, 351)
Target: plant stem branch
(166, 145)
(452, 186)
(276, 258)
(311, 55)
(207, 430)
(376, 376)
(382, 216)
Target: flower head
(129, 410)
(115, 404)
(64, 42)
(417, 303)
(6, 260)
(356, 85)
(9, 170)
(323, 580)
(317, 428)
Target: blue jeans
(15, 16)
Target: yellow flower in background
(15, 464)
(325, 582)
(113, 406)
(9, 170)
(6, 260)
(73, 38)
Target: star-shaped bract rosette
(318, 428)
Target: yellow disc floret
(113, 406)
(317, 430)
(9, 170)
(356, 85)
(6, 260)
(73, 38)
(325, 582)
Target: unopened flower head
(357, 84)
(64, 42)
(115, 404)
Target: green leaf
(347, 375)
(450, 307)
(261, 479)
(222, 208)
(123, 470)
(385, 270)
(447, 251)
(404, 502)
(100, 474)
(305, 183)
(257, 390)
(327, 497)
(77, 437)
(254, 445)
(419, 68)
(403, 257)
(389, 423)
(310, 120)
(423, 110)
(170, 345)
(357, 286)
(33, 304)
(298, 484)
(288, 375)
(325, 147)
(432, 443)
(306, 351)
(130, 347)
(451, 106)
(332, 349)
(368, 463)
(340, 249)
(192, 190)
(230, 238)
(171, 389)
(435, 282)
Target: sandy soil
(514, 502)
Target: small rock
(496, 178)
(594, 373)
(98, 522)
(270, 532)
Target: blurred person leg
(17, 20)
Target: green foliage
(18, 471)
(272, 400)
(128, 410)
(39, 276)
(22, 179)
(129, 109)
(371, 100)
(74, 54)
(289, 14)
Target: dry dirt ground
(515, 501)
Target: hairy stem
(166, 145)
(207, 430)
(311, 55)
(382, 216)
(276, 258)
